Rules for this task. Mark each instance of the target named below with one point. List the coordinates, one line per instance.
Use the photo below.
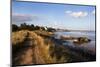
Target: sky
(64, 16)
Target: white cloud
(23, 17)
(68, 12)
(77, 14)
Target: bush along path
(32, 50)
(29, 47)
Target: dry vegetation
(31, 48)
(18, 37)
(37, 45)
(43, 33)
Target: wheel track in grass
(30, 52)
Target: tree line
(31, 27)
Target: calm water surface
(87, 46)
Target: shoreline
(45, 42)
(88, 54)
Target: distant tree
(37, 28)
(51, 29)
(42, 28)
(23, 26)
(32, 27)
(14, 27)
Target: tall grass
(37, 50)
(41, 50)
(18, 37)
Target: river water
(91, 46)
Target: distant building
(45, 28)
